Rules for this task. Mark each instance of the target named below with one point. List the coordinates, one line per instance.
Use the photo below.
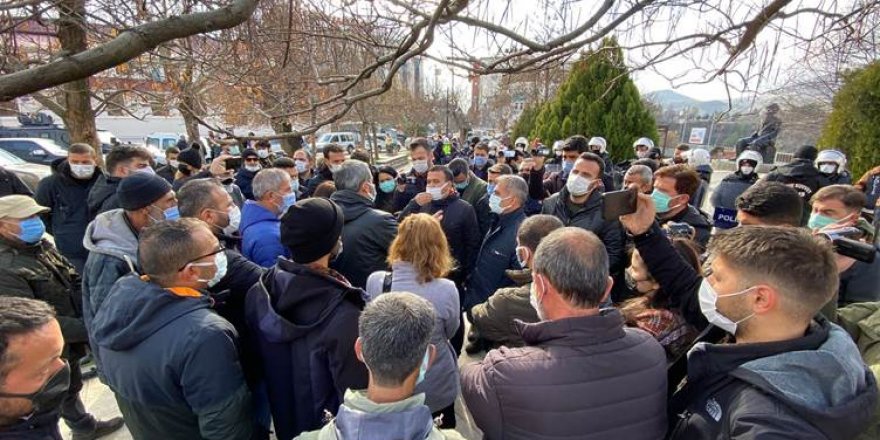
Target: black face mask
(51, 394)
(183, 169)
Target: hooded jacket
(731, 187)
(475, 190)
(261, 235)
(461, 228)
(102, 196)
(803, 176)
(172, 364)
(110, 239)
(304, 324)
(862, 322)
(361, 418)
(590, 218)
(244, 179)
(812, 387)
(69, 216)
(497, 254)
(366, 236)
(586, 378)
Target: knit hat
(141, 189)
(807, 152)
(248, 152)
(191, 157)
(311, 228)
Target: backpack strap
(386, 282)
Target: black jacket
(322, 175)
(69, 216)
(42, 426)
(10, 184)
(102, 196)
(813, 387)
(461, 229)
(803, 176)
(366, 237)
(497, 255)
(182, 181)
(167, 172)
(244, 180)
(589, 217)
(415, 184)
(304, 324)
(731, 187)
(695, 218)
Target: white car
(346, 139)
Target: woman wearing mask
(420, 259)
(386, 182)
(735, 184)
(650, 310)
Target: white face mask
(436, 192)
(173, 163)
(252, 168)
(262, 154)
(334, 167)
(708, 305)
(747, 171)
(147, 170)
(420, 166)
(827, 168)
(234, 220)
(533, 298)
(82, 171)
(578, 185)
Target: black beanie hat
(141, 189)
(311, 228)
(249, 152)
(191, 157)
(807, 152)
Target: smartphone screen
(233, 163)
(618, 203)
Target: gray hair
(575, 263)
(395, 330)
(351, 175)
(516, 185)
(197, 195)
(268, 180)
(643, 171)
(165, 247)
(19, 316)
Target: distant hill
(672, 100)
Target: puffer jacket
(361, 418)
(572, 380)
(69, 216)
(495, 319)
(366, 237)
(497, 254)
(589, 217)
(730, 188)
(110, 239)
(803, 176)
(261, 235)
(102, 196)
(812, 387)
(172, 363)
(862, 322)
(304, 324)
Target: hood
(110, 234)
(798, 168)
(105, 187)
(135, 309)
(285, 313)
(361, 418)
(253, 213)
(353, 204)
(830, 386)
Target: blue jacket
(304, 324)
(497, 254)
(172, 363)
(244, 180)
(261, 235)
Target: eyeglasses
(220, 248)
(252, 159)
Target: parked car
(29, 173)
(346, 139)
(33, 150)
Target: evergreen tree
(598, 99)
(526, 122)
(854, 124)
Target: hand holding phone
(618, 203)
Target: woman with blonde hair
(420, 259)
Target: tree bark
(79, 117)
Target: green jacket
(475, 190)
(360, 417)
(40, 272)
(862, 322)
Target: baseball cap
(19, 207)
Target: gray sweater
(441, 381)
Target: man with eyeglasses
(169, 358)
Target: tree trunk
(79, 117)
(187, 107)
(282, 125)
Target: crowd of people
(327, 298)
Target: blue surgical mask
(301, 166)
(480, 161)
(495, 204)
(490, 189)
(287, 201)
(819, 221)
(423, 369)
(294, 185)
(661, 201)
(32, 230)
(461, 186)
(567, 166)
(387, 186)
(171, 213)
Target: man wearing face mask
(470, 187)
(788, 373)
(334, 157)
(289, 166)
(580, 204)
(122, 161)
(303, 308)
(170, 360)
(112, 238)
(169, 170)
(189, 167)
(304, 167)
(250, 166)
(368, 232)
(484, 213)
(264, 152)
(571, 150)
(832, 165)
(414, 182)
(733, 185)
(63, 193)
(260, 233)
(31, 267)
(481, 162)
(674, 186)
(34, 378)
